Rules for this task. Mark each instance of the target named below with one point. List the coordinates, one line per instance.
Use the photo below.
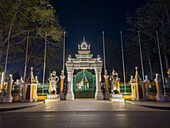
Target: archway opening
(84, 83)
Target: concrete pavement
(86, 105)
(86, 113)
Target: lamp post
(123, 62)
(26, 55)
(64, 51)
(104, 52)
(160, 60)
(141, 58)
(45, 57)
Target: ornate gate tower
(84, 60)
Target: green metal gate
(84, 84)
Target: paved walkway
(86, 105)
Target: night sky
(90, 17)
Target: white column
(70, 95)
(98, 94)
(97, 82)
(159, 96)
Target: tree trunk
(27, 72)
(150, 67)
(9, 35)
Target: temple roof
(84, 57)
(84, 50)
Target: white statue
(54, 79)
(21, 80)
(69, 58)
(17, 82)
(106, 72)
(32, 76)
(98, 58)
(82, 83)
(36, 80)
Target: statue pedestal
(7, 98)
(116, 98)
(52, 98)
(99, 95)
(160, 97)
(69, 96)
(62, 96)
(107, 95)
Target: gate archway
(84, 60)
(84, 85)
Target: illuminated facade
(84, 60)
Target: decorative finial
(146, 79)
(131, 79)
(156, 78)
(105, 72)
(136, 74)
(136, 68)
(84, 39)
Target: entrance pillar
(8, 97)
(70, 94)
(62, 77)
(146, 82)
(159, 96)
(107, 94)
(98, 94)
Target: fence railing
(152, 87)
(125, 88)
(43, 89)
(15, 89)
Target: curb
(154, 107)
(17, 108)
